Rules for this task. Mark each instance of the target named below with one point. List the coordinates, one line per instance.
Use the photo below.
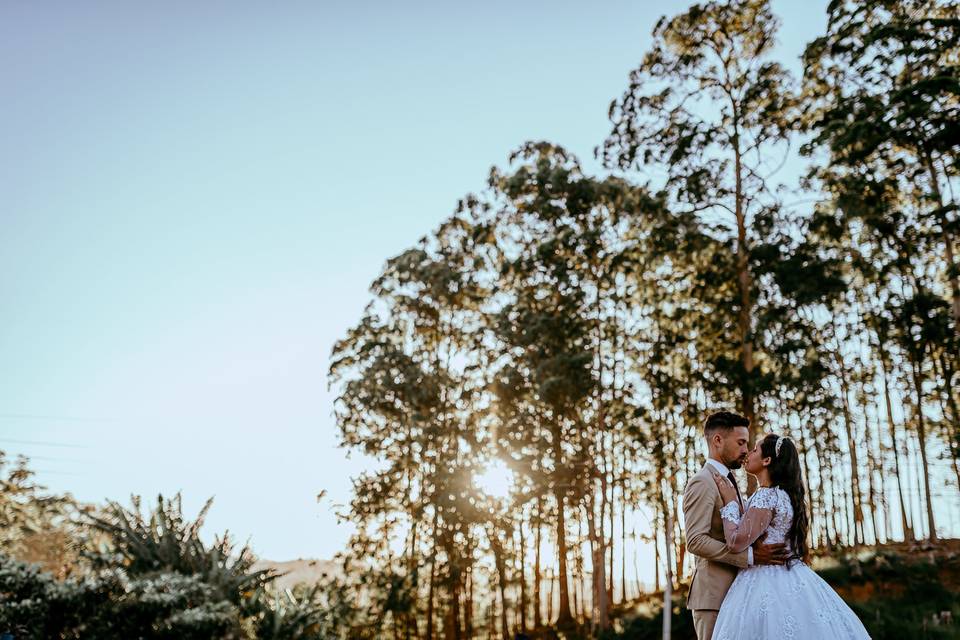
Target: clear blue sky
(195, 197)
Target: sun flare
(496, 479)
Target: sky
(196, 197)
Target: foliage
(35, 525)
(155, 578)
(306, 612)
(163, 541)
(712, 110)
(111, 605)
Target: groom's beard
(733, 465)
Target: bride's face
(754, 462)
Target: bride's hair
(785, 473)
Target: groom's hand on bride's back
(769, 553)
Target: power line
(43, 444)
(58, 473)
(31, 416)
(51, 458)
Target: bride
(785, 601)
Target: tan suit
(715, 566)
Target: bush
(154, 578)
(164, 541)
(108, 606)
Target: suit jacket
(715, 566)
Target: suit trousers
(703, 621)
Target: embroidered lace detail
(765, 498)
(778, 501)
(731, 512)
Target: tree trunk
(744, 283)
(468, 607)
(623, 542)
(608, 540)
(599, 569)
(855, 495)
(668, 587)
(411, 623)
(806, 474)
(564, 617)
(877, 496)
(579, 601)
(953, 435)
(537, 619)
(636, 564)
(822, 490)
(922, 437)
(680, 547)
(904, 516)
(521, 574)
(501, 566)
(553, 594)
(656, 549)
(433, 578)
(875, 502)
(837, 503)
(846, 500)
(410, 620)
(455, 628)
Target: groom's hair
(724, 420)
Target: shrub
(108, 606)
(164, 541)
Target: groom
(716, 567)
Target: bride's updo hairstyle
(785, 473)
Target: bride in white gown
(785, 601)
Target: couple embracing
(750, 580)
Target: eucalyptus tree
(541, 327)
(405, 398)
(561, 330)
(870, 219)
(884, 87)
(709, 108)
(385, 409)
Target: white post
(668, 588)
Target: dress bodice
(777, 500)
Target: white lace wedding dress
(777, 601)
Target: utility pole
(668, 588)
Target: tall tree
(884, 84)
(709, 107)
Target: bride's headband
(776, 445)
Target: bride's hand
(727, 492)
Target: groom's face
(733, 447)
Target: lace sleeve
(742, 532)
(731, 512)
(764, 498)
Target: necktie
(731, 479)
